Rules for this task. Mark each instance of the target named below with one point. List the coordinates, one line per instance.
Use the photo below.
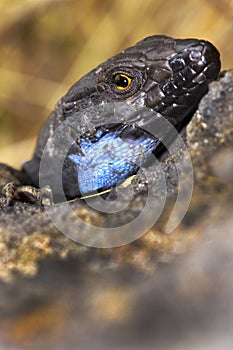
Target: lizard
(99, 133)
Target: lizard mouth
(194, 65)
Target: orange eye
(122, 81)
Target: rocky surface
(162, 291)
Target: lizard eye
(122, 81)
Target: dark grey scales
(100, 128)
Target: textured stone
(162, 291)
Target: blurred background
(46, 45)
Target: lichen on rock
(140, 291)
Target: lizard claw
(30, 194)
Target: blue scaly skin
(164, 75)
(112, 157)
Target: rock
(211, 129)
(161, 291)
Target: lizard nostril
(195, 55)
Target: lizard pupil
(122, 81)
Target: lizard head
(165, 74)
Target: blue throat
(106, 159)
